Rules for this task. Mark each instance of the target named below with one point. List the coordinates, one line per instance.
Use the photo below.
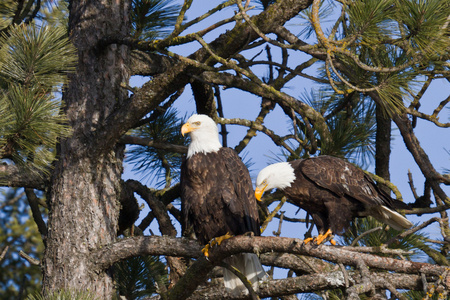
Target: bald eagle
(217, 197)
(333, 192)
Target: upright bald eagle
(333, 192)
(217, 197)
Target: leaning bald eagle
(217, 197)
(333, 192)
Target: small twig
(411, 184)
(223, 127)
(355, 241)
(11, 201)
(272, 214)
(30, 259)
(293, 220)
(389, 184)
(278, 232)
(4, 251)
(345, 273)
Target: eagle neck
(205, 145)
(285, 175)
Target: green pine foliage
(403, 36)
(158, 164)
(380, 237)
(351, 122)
(34, 62)
(138, 277)
(7, 9)
(153, 19)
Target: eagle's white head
(204, 135)
(279, 175)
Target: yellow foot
(215, 241)
(321, 238)
(205, 250)
(218, 240)
(306, 241)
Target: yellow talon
(205, 250)
(215, 241)
(322, 237)
(306, 241)
(220, 239)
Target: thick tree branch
(316, 282)
(14, 176)
(197, 274)
(183, 247)
(150, 64)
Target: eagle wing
(343, 179)
(241, 201)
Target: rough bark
(85, 187)
(16, 176)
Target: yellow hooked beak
(259, 192)
(186, 128)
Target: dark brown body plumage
(217, 195)
(334, 192)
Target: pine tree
(369, 67)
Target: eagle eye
(197, 123)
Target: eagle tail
(250, 266)
(392, 218)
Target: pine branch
(134, 140)
(19, 176)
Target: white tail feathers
(250, 266)
(392, 218)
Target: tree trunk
(85, 187)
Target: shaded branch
(133, 140)
(14, 176)
(317, 282)
(35, 211)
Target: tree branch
(33, 202)
(155, 245)
(14, 176)
(197, 274)
(133, 140)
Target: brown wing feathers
(334, 192)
